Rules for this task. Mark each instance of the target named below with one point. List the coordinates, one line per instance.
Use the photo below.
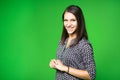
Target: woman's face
(70, 22)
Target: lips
(70, 30)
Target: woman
(75, 59)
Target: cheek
(65, 23)
(75, 25)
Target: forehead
(69, 15)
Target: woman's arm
(83, 74)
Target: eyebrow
(70, 19)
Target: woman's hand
(57, 64)
(52, 63)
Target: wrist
(66, 69)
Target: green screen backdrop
(31, 29)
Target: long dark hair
(81, 29)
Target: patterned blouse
(80, 57)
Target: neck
(72, 36)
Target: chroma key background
(31, 29)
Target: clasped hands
(57, 64)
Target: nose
(68, 24)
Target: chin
(70, 32)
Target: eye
(73, 19)
(65, 20)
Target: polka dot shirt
(79, 56)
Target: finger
(54, 61)
(58, 61)
(52, 64)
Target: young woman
(75, 59)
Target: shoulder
(60, 44)
(85, 44)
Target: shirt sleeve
(88, 60)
